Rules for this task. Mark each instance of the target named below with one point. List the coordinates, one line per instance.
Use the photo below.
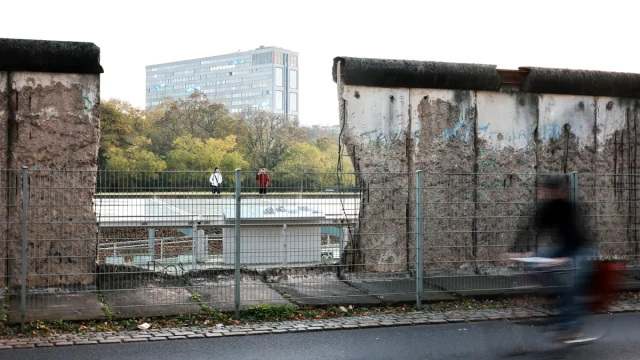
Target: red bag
(605, 280)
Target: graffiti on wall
(516, 138)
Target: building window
(293, 102)
(278, 100)
(293, 79)
(279, 77)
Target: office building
(265, 78)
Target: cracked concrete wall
(492, 146)
(385, 183)
(616, 209)
(4, 116)
(446, 120)
(506, 167)
(55, 133)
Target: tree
(191, 154)
(268, 136)
(195, 116)
(313, 167)
(121, 126)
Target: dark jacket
(560, 216)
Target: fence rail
(143, 243)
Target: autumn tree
(190, 154)
(311, 164)
(268, 136)
(195, 116)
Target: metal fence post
(419, 238)
(237, 247)
(23, 292)
(574, 191)
(573, 180)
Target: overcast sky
(601, 35)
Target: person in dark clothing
(559, 215)
(263, 180)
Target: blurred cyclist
(558, 214)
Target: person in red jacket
(263, 180)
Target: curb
(345, 323)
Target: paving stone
(66, 343)
(113, 341)
(177, 337)
(195, 336)
(350, 326)
(158, 338)
(6, 347)
(314, 328)
(279, 331)
(135, 340)
(162, 334)
(45, 345)
(211, 335)
(235, 333)
(86, 342)
(24, 346)
(369, 325)
(258, 332)
(141, 336)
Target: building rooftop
(457, 76)
(225, 55)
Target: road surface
(451, 341)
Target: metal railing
(145, 243)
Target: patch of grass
(266, 312)
(110, 315)
(4, 310)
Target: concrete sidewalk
(219, 331)
(167, 299)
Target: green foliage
(268, 136)
(190, 137)
(267, 312)
(195, 116)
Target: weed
(267, 312)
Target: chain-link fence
(137, 243)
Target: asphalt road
(451, 341)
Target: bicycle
(528, 329)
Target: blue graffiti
(483, 128)
(459, 131)
(554, 131)
(522, 135)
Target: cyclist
(558, 214)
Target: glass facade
(265, 78)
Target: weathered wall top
(442, 75)
(581, 82)
(49, 56)
(417, 74)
